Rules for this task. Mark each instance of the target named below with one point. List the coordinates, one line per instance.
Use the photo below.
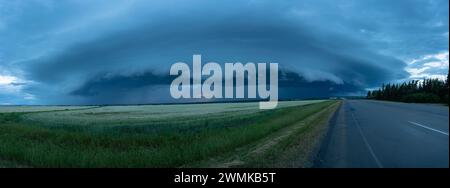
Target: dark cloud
(103, 54)
(148, 87)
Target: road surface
(380, 134)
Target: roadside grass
(166, 145)
(299, 148)
(294, 145)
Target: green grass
(33, 143)
(150, 114)
(298, 149)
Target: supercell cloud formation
(116, 52)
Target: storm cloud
(89, 52)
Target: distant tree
(428, 90)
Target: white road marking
(429, 128)
(367, 143)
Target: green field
(185, 135)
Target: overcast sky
(111, 51)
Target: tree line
(425, 91)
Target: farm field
(182, 135)
(7, 109)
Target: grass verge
(295, 145)
(24, 144)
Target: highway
(381, 134)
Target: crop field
(181, 135)
(153, 114)
(7, 109)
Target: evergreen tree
(427, 90)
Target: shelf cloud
(92, 52)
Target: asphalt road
(379, 134)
